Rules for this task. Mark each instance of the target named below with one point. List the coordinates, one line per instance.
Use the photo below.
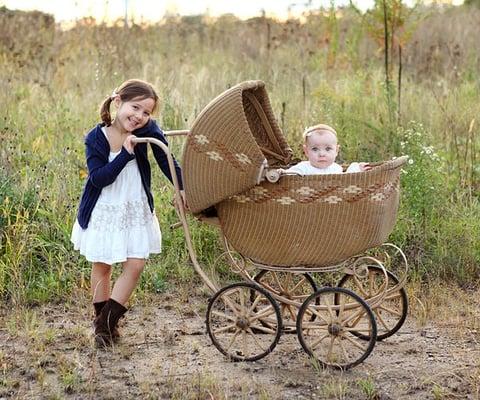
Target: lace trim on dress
(120, 217)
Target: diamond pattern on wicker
(243, 158)
(201, 139)
(331, 194)
(219, 152)
(286, 200)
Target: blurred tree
(475, 3)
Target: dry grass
(49, 352)
(449, 306)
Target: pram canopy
(230, 142)
(316, 220)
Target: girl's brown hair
(128, 90)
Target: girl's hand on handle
(129, 144)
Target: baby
(321, 148)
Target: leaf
(83, 173)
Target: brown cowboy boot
(98, 308)
(107, 321)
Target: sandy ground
(48, 352)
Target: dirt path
(48, 352)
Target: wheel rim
(244, 322)
(392, 311)
(291, 287)
(329, 339)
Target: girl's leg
(100, 281)
(106, 324)
(126, 282)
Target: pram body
(310, 221)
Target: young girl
(116, 222)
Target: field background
(423, 101)
(330, 69)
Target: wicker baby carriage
(281, 232)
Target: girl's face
(321, 148)
(133, 114)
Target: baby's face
(321, 148)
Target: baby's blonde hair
(317, 128)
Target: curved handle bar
(180, 207)
(181, 132)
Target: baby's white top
(305, 168)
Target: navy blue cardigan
(102, 173)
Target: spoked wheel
(244, 322)
(329, 338)
(293, 287)
(392, 310)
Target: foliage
(423, 177)
(475, 3)
(328, 69)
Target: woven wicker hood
(231, 140)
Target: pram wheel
(244, 322)
(392, 310)
(293, 288)
(329, 339)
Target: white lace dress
(121, 225)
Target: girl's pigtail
(105, 111)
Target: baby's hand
(129, 144)
(364, 166)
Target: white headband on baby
(318, 128)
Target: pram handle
(180, 132)
(180, 208)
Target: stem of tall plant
(388, 82)
(385, 37)
(399, 88)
